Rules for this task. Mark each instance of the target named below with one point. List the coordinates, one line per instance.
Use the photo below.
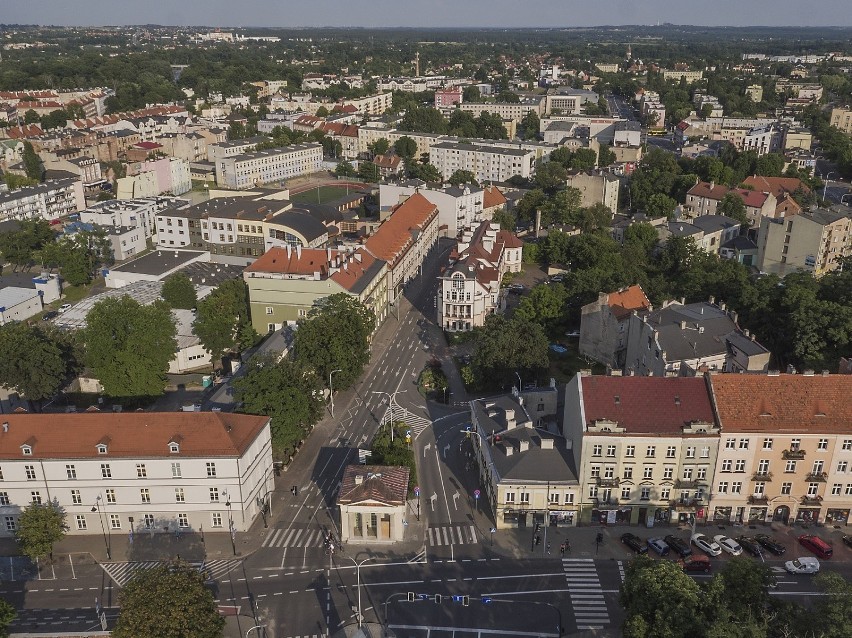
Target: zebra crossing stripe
(472, 534)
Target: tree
(179, 292)
(741, 589)
(129, 346)
(322, 112)
(40, 527)
(20, 247)
(530, 125)
(31, 362)
(506, 219)
(336, 336)
(379, 147)
(506, 346)
(550, 176)
(285, 390)
(544, 305)
(733, 206)
(643, 236)
(223, 319)
(7, 615)
(368, 171)
(659, 600)
(406, 148)
(461, 176)
(584, 159)
(660, 205)
(832, 614)
(606, 156)
(769, 165)
(32, 163)
(31, 117)
(427, 172)
(168, 601)
(344, 169)
(471, 93)
(509, 97)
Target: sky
(428, 13)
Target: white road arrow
(433, 499)
(456, 500)
(425, 448)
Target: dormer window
(27, 450)
(174, 448)
(102, 448)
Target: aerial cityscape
(425, 320)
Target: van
(816, 545)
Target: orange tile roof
(129, 434)
(708, 190)
(347, 277)
(380, 483)
(786, 402)
(394, 236)
(778, 186)
(625, 301)
(492, 197)
(306, 261)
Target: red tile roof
(21, 132)
(380, 483)
(129, 434)
(752, 199)
(623, 302)
(778, 186)
(659, 406)
(709, 190)
(394, 237)
(306, 261)
(148, 146)
(354, 269)
(492, 197)
(786, 402)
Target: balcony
(683, 484)
(761, 477)
(605, 501)
(816, 477)
(686, 504)
(758, 499)
(811, 500)
(607, 482)
(793, 455)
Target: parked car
(770, 544)
(750, 545)
(519, 288)
(728, 544)
(64, 307)
(695, 564)
(635, 543)
(659, 546)
(847, 540)
(678, 545)
(803, 565)
(816, 545)
(50, 314)
(558, 349)
(706, 545)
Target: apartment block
(372, 104)
(814, 241)
(458, 206)
(841, 117)
(785, 452)
(131, 213)
(604, 322)
(677, 76)
(487, 163)
(49, 200)
(271, 165)
(596, 188)
(505, 110)
(143, 472)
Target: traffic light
(411, 596)
(465, 601)
(437, 598)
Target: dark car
(699, 564)
(750, 545)
(678, 545)
(847, 540)
(635, 543)
(770, 544)
(50, 314)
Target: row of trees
(426, 119)
(331, 348)
(661, 601)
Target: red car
(700, 564)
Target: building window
(214, 494)
(726, 465)
(176, 470)
(645, 494)
(818, 465)
(730, 444)
(211, 470)
(670, 452)
(10, 524)
(668, 472)
(740, 466)
(179, 495)
(847, 445)
(836, 488)
(141, 472)
(145, 495)
(763, 466)
(723, 487)
(71, 471)
(786, 489)
(106, 472)
(841, 467)
(510, 497)
(1, 473)
(595, 471)
(148, 520)
(651, 451)
(110, 496)
(4, 498)
(596, 450)
(795, 444)
(553, 499)
(690, 452)
(759, 489)
(743, 444)
(628, 472)
(216, 519)
(609, 471)
(687, 474)
(269, 310)
(174, 448)
(767, 444)
(848, 489)
(525, 497)
(35, 496)
(610, 450)
(790, 467)
(664, 493)
(813, 488)
(630, 451)
(736, 487)
(115, 521)
(625, 493)
(81, 522)
(183, 521)
(648, 472)
(593, 491)
(31, 473)
(569, 498)
(823, 444)
(102, 449)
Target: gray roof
(482, 148)
(714, 223)
(367, 278)
(249, 141)
(272, 152)
(244, 208)
(303, 223)
(44, 188)
(682, 229)
(823, 216)
(12, 295)
(158, 262)
(740, 242)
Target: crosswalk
(414, 422)
(122, 572)
(584, 588)
(451, 535)
(294, 537)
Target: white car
(706, 545)
(728, 544)
(803, 565)
(64, 307)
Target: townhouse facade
(785, 451)
(137, 472)
(49, 200)
(604, 323)
(458, 206)
(487, 163)
(271, 165)
(596, 188)
(645, 448)
(841, 117)
(704, 198)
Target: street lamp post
(107, 538)
(331, 389)
(520, 383)
(842, 197)
(391, 402)
(825, 185)
(358, 583)
(231, 527)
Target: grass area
(73, 294)
(396, 452)
(322, 194)
(563, 367)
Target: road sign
(408, 433)
(416, 491)
(476, 493)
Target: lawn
(563, 367)
(322, 194)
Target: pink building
(447, 98)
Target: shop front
(611, 515)
(808, 515)
(757, 514)
(563, 518)
(722, 514)
(837, 517)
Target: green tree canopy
(40, 527)
(336, 336)
(660, 205)
(471, 93)
(506, 346)
(584, 159)
(7, 615)
(179, 292)
(545, 304)
(461, 176)
(168, 601)
(344, 168)
(368, 171)
(32, 163)
(405, 147)
(223, 319)
(32, 361)
(733, 206)
(379, 147)
(605, 156)
(129, 346)
(529, 126)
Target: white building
(18, 304)
(458, 206)
(50, 200)
(262, 167)
(131, 213)
(487, 163)
(220, 150)
(151, 472)
(505, 110)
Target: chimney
(523, 446)
(359, 478)
(712, 185)
(5, 426)
(682, 301)
(510, 450)
(825, 373)
(734, 316)
(808, 373)
(683, 325)
(722, 305)
(712, 299)
(746, 333)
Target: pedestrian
(562, 549)
(548, 548)
(537, 539)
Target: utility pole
(331, 389)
